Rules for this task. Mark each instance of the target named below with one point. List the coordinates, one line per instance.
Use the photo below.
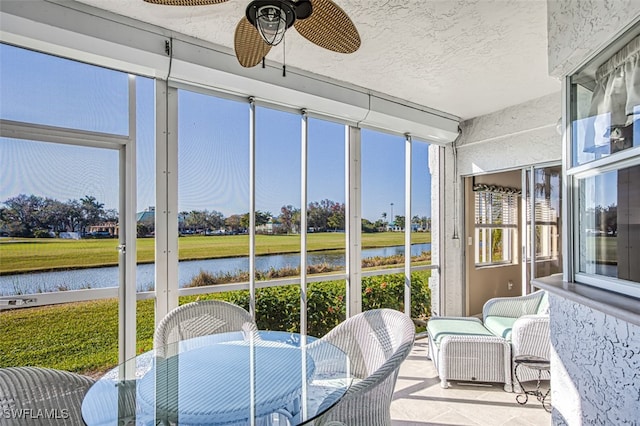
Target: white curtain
(616, 98)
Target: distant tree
(244, 221)
(111, 215)
(72, 212)
(367, 226)
(92, 211)
(380, 225)
(337, 217)
(54, 215)
(611, 220)
(22, 215)
(427, 223)
(336, 220)
(261, 219)
(213, 219)
(195, 220)
(289, 218)
(25, 214)
(399, 221)
(204, 220)
(233, 222)
(318, 214)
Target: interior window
(496, 223)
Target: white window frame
(613, 162)
(509, 235)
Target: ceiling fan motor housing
(286, 10)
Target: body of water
(44, 282)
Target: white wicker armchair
(376, 341)
(41, 396)
(202, 318)
(524, 321)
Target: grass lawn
(80, 336)
(30, 254)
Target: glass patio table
(272, 378)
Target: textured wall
(520, 135)
(578, 28)
(451, 283)
(517, 136)
(596, 367)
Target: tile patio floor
(420, 401)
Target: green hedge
(278, 308)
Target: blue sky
(213, 152)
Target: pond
(44, 282)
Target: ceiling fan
(322, 22)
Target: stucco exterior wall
(595, 363)
(577, 28)
(517, 136)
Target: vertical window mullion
(304, 143)
(252, 208)
(407, 225)
(353, 220)
(127, 239)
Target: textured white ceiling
(462, 57)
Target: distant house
(147, 217)
(111, 229)
(392, 227)
(104, 230)
(266, 228)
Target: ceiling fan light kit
(272, 18)
(265, 23)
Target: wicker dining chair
(202, 318)
(376, 342)
(41, 396)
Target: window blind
(496, 209)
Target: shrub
(278, 308)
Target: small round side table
(534, 363)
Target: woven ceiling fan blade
(329, 27)
(185, 2)
(249, 46)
